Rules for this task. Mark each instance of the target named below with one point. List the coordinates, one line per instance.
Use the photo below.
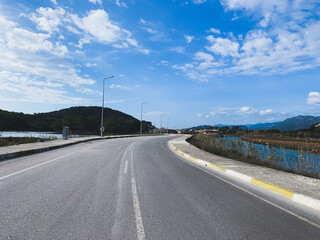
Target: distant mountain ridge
(262, 125)
(294, 123)
(79, 119)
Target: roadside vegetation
(304, 139)
(9, 141)
(303, 163)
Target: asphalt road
(135, 188)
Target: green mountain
(296, 123)
(79, 119)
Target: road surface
(135, 188)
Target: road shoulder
(303, 190)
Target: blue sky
(197, 61)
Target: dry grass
(266, 156)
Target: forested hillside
(79, 119)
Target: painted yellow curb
(275, 188)
(217, 167)
(194, 158)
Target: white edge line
(136, 204)
(125, 167)
(305, 200)
(240, 176)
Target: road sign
(101, 129)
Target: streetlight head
(108, 77)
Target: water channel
(285, 158)
(44, 135)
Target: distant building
(164, 131)
(171, 131)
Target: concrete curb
(7, 156)
(298, 198)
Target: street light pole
(161, 123)
(141, 118)
(102, 128)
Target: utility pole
(102, 127)
(161, 123)
(141, 118)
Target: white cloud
(265, 112)
(34, 64)
(23, 39)
(189, 38)
(154, 29)
(98, 25)
(19, 39)
(156, 34)
(94, 26)
(60, 50)
(32, 67)
(48, 19)
(121, 4)
(21, 87)
(96, 1)
(143, 21)
(177, 49)
(252, 5)
(150, 30)
(120, 87)
(199, 115)
(207, 116)
(259, 7)
(87, 91)
(214, 30)
(199, 1)
(54, 2)
(144, 51)
(246, 110)
(257, 43)
(164, 63)
(204, 61)
(313, 98)
(132, 42)
(285, 39)
(202, 56)
(223, 46)
(222, 113)
(189, 70)
(91, 64)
